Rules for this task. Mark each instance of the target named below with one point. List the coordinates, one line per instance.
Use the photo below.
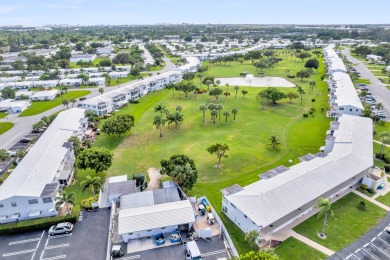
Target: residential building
(83, 57)
(45, 95)
(14, 106)
(30, 191)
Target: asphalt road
(379, 91)
(87, 241)
(23, 125)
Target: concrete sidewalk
(372, 200)
(311, 243)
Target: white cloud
(10, 8)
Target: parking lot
(87, 241)
(213, 250)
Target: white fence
(224, 231)
(111, 230)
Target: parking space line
(24, 241)
(20, 252)
(128, 257)
(358, 250)
(54, 257)
(56, 246)
(214, 252)
(380, 249)
(369, 252)
(66, 235)
(383, 241)
(33, 256)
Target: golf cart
(202, 209)
(117, 251)
(94, 206)
(210, 218)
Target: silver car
(61, 228)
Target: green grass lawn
(362, 81)
(365, 192)
(292, 248)
(379, 163)
(348, 224)
(42, 106)
(384, 199)
(5, 126)
(247, 137)
(3, 114)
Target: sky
(95, 12)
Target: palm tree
(234, 112)
(236, 89)
(203, 108)
(301, 92)
(378, 107)
(180, 173)
(384, 138)
(214, 113)
(219, 107)
(66, 199)
(252, 238)
(91, 183)
(363, 94)
(176, 118)
(312, 84)
(208, 83)
(325, 208)
(227, 87)
(159, 122)
(171, 86)
(159, 108)
(274, 141)
(244, 92)
(217, 82)
(73, 101)
(65, 102)
(4, 155)
(179, 109)
(101, 90)
(226, 114)
(200, 76)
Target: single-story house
(82, 57)
(123, 68)
(118, 74)
(23, 94)
(114, 188)
(45, 83)
(10, 79)
(93, 70)
(98, 81)
(373, 57)
(45, 95)
(71, 82)
(14, 106)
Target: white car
(61, 228)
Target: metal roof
(155, 216)
(148, 198)
(267, 201)
(40, 166)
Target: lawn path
(155, 177)
(311, 243)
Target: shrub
(371, 191)
(311, 112)
(87, 203)
(38, 224)
(362, 205)
(387, 168)
(364, 186)
(305, 115)
(313, 100)
(133, 101)
(386, 159)
(291, 76)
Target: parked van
(193, 252)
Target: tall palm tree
(176, 118)
(274, 141)
(159, 109)
(65, 102)
(91, 183)
(203, 108)
(214, 113)
(66, 199)
(73, 101)
(226, 114)
(378, 107)
(227, 87)
(101, 90)
(384, 138)
(180, 173)
(219, 107)
(217, 82)
(301, 92)
(200, 76)
(236, 88)
(208, 83)
(312, 84)
(234, 112)
(4, 155)
(325, 209)
(171, 86)
(179, 109)
(363, 94)
(159, 122)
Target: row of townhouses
(284, 195)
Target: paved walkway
(372, 200)
(311, 243)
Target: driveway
(87, 241)
(379, 91)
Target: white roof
(269, 200)
(120, 178)
(46, 93)
(155, 216)
(39, 167)
(345, 91)
(9, 103)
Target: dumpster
(202, 209)
(159, 239)
(117, 251)
(175, 236)
(206, 205)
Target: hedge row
(38, 224)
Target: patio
(137, 245)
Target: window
(130, 233)
(13, 204)
(1, 205)
(234, 206)
(163, 228)
(33, 201)
(350, 110)
(245, 216)
(149, 230)
(341, 108)
(47, 199)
